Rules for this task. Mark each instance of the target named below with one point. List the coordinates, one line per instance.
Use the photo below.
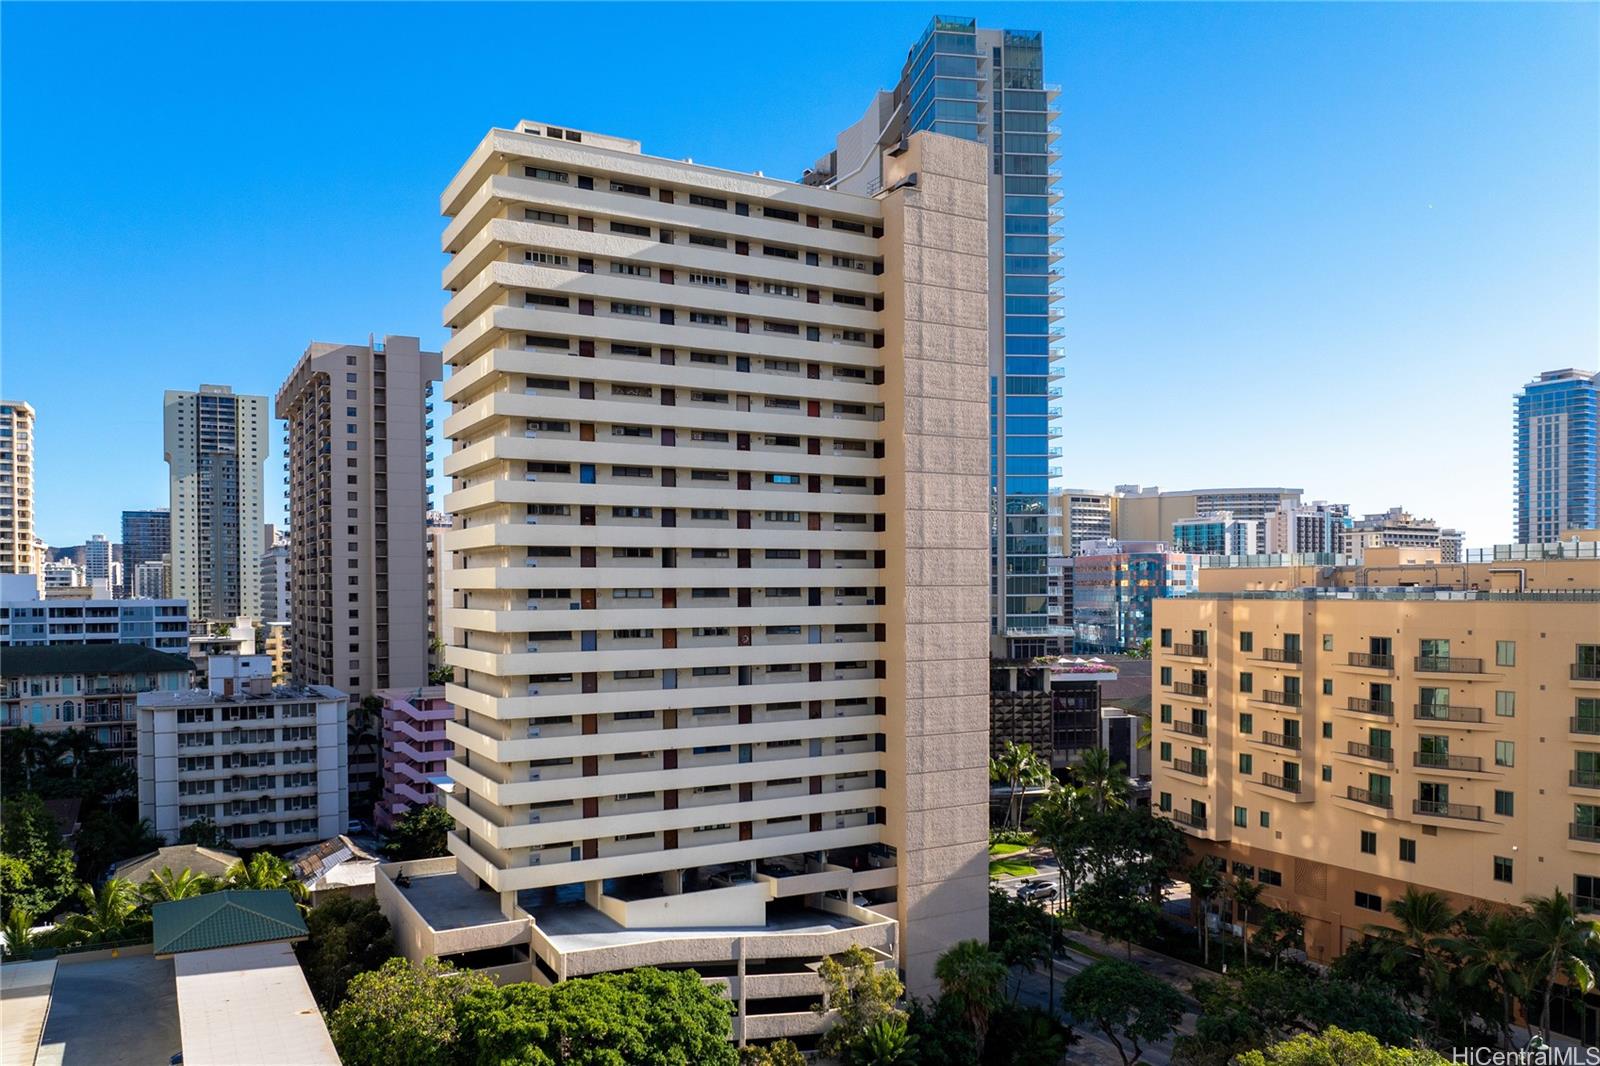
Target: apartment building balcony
(1589, 727)
(1281, 655)
(1290, 741)
(1368, 751)
(1584, 778)
(1466, 812)
(1191, 729)
(1186, 766)
(1433, 760)
(1448, 664)
(1370, 661)
(1382, 708)
(1189, 820)
(1280, 698)
(1192, 651)
(1439, 712)
(1586, 672)
(1589, 834)
(1292, 785)
(1188, 688)
(1372, 799)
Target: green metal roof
(89, 659)
(226, 919)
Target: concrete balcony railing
(1467, 812)
(1370, 660)
(1192, 729)
(1440, 712)
(1434, 760)
(1368, 751)
(1365, 706)
(1448, 664)
(1370, 798)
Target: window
(1247, 641)
(779, 252)
(1166, 638)
(1247, 681)
(1502, 865)
(1241, 817)
(1408, 850)
(637, 310)
(1166, 801)
(632, 270)
(1266, 819)
(1505, 753)
(545, 258)
(630, 228)
(783, 479)
(708, 201)
(701, 318)
(1327, 772)
(1166, 675)
(1166, 751)
(632, 190)
(1247, 763)
(1166, 714)
(1369, 902)
(1327, 730)
(708, 241)
(545, 175)
(1505, 803)
(1247, 723)
(1369, 842)
(1327, 642)
(1327, 686)
(781, 212)
(1505, 654)
(1269, 877)
(552, 217)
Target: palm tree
(1559, 944)
(265, 870)
(1425, 919)
(19, 933)
(972, 977)
(31, 749)
(887, 1043)
(1019, 768)
(163, 886)
(1205, 884)
(1246, 895)
(1056, 819)
(1490, 948)
(106, 913)
(1105, 782)
(72, 748)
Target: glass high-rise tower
(1557, 442)
(988, 85)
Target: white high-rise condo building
(356, 457)
(720, 482)
(215, 444)
(17, 550)
(97, 560)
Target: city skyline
(1437, 236)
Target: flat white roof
(249, 1006)
(25, 993)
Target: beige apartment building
(720, 596)
(356, 457)
(17, 548)
(1339, 733)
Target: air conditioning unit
(533, 819)
(533, 732)
(533, 775)
(533, 860)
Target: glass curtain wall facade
(1557, 448)
(146, 538)
(981, 84)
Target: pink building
(414, 749)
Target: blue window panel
(1027, 345)
(1027, 205)
(1025, 386)
(1027, 405)
(1036, 366)
(1036, 224)
(1027, 464)
(1027, 486)
(1027, 305)
(1026, 264)
(588, 640)
(1025, 245)
(1028, 284)
(1024, 324)
(1028, 445)
(964, 130)
(954, 89)
(669, 679)
(1029, 427)
(586, 474)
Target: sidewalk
(1166, 967)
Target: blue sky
(1311, 245)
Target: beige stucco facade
(1348, 731)
(17, 550)
(718, 604)
(356, 459)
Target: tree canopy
(1337, 1047)
(1132, 1008)
(346, 937)
(420, 833)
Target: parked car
(355, 827)
(1041, 891)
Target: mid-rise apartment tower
(17, 555)
(1557, 455)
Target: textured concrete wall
(937, 452)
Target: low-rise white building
(266, 763)
(88, 616)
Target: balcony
(1370, 798)
(1186, 688)
(1583, 778)
(1189, 820)
(1434, 760)
(1586, 671)
(1384, 708)
(1282, 784)
(1282, 740)
(1193, 769)
(1193, 729)
(1282, 699)
(1281, 655)
(1586, 726)
(1192, 651)
(1447, 664)
(1583, 831)
(1466, 812)
(1371, 660)
(1438, 712)
(1368, 751)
